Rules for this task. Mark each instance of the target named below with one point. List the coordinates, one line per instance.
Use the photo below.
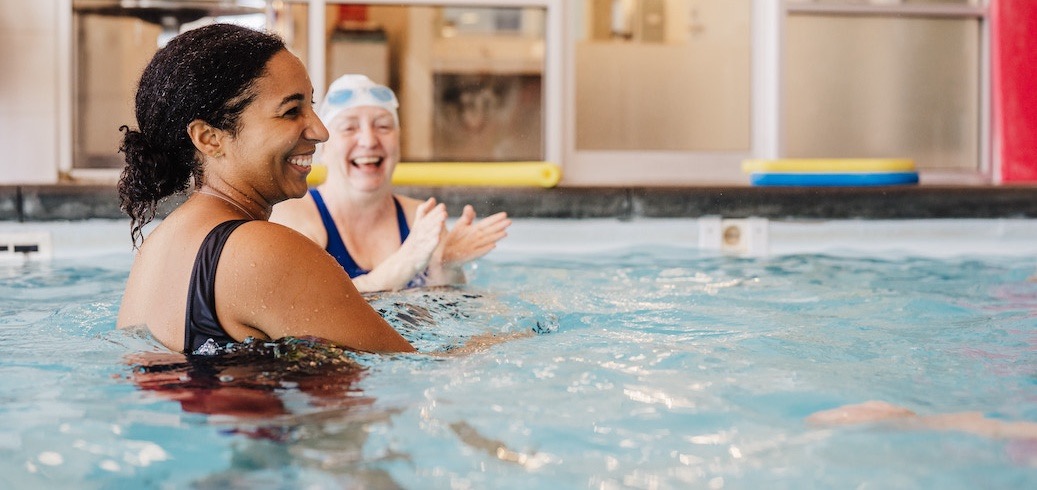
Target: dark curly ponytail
(206, 73)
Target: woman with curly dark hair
(227, 111)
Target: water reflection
(255, 380)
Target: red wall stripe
(1014, 79)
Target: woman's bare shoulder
(282, 283)
(301, 215)
(269, 263)
(293, 209)
(268, 240)
(410, 204)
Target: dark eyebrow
(292, 98)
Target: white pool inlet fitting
(738, 236)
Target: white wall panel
(29, 91)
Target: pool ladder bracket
(25, 246)
(734, 236)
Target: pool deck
(71, 202)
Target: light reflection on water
(653, 369)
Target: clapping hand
(468, 240)
(425, 232)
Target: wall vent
(24, 246)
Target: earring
(218, 154)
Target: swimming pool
(656, 365)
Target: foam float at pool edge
(821, 179)
(829, 165)
(831, 172)
(490, 174)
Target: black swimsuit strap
(201, 323)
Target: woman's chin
(369, 182)
(296, 190)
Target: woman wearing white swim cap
(385, 241)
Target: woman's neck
(237, 200)
(357, 206)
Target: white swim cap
(356, 91)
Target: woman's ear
(207, 139)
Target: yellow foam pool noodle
(490, 174)
(829, 165)
(318, 174)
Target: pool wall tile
(79, 202)
(906, 202)
(50, 203)
(530, 202)
(9, 200)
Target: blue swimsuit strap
(337, 247)
(401, 219)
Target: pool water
(645, 367)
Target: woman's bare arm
(414, 254)
(468, 240)
(276, 280)
(301, 215)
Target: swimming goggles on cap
(379, 93)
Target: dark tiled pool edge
(79, 202)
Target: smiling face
(363, 149)
(278, 134)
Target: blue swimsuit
(337, 248)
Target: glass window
(112, 43)
(469, 79)
(887, 2)
(883, 86)
(666, 75)
(110, 54)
